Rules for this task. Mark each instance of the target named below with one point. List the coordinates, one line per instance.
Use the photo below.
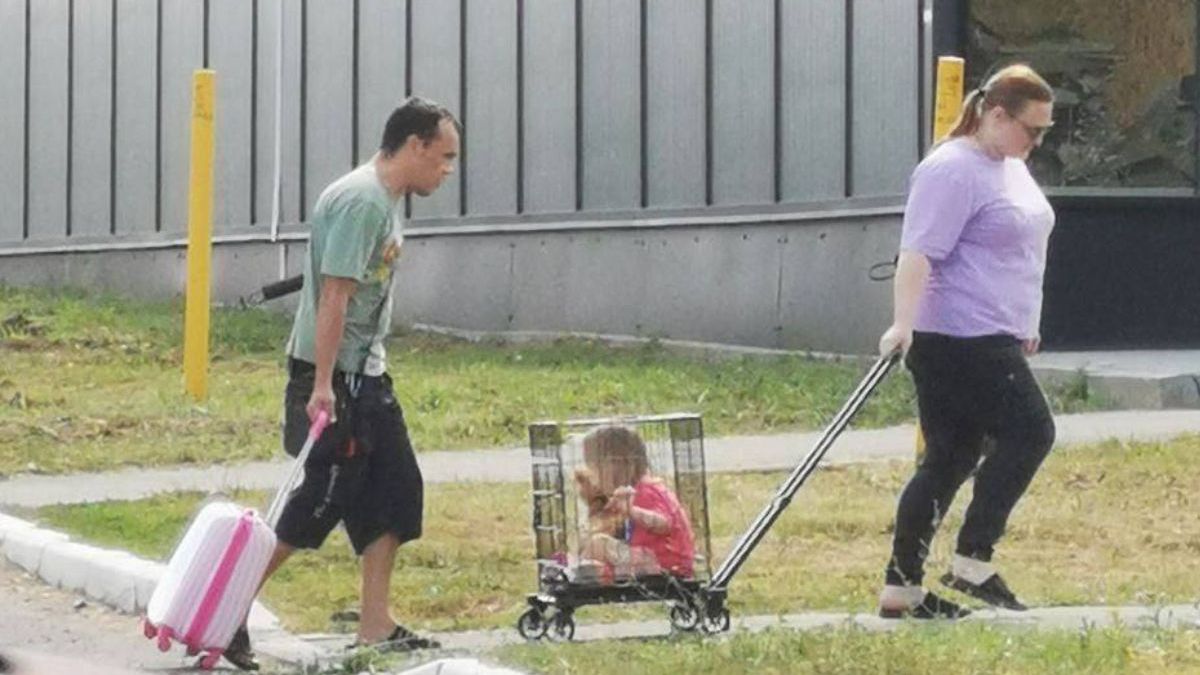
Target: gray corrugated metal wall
(584, 105)
(12, 120)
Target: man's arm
(331, 320)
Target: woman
(968, 296)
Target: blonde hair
(1010, 89)
(617, 455)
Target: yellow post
(199, 253)
(947, 105)
(948, 100)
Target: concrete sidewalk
(332, 647)
(1051, 618)
(733, 453)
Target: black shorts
(361, 472)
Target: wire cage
(620, 514)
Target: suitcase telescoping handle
(314, 432)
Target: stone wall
(1124, 73)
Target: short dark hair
(415, 116)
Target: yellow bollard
(948, 100)
(199, 252)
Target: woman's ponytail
(968, 119)
(1011, 89)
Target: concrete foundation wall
(798, 285)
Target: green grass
(91, 382)
(1108, 524)
(960, 649)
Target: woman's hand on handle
(895, 338)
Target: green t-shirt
(356, 234)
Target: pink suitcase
(214, 573)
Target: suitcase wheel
(210, 660)
(164, 640)
(149, 630)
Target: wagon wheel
(532, 625)
(717, 622)
(563, 627)
(684, 617)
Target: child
(636, 522)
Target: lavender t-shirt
(983, 223)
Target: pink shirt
(675, 549)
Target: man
(362, 472)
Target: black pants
(968, 388)
(362, 472)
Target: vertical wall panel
(549, 106)
(12, 120)
(436, 69)
(264, 160)
(611, 115)
(381, 35)
(884, 144)
(329, 98)
(491, 72)
(743, 102)
(268, 17)
(231, 54)
(91, 118)
(813, 100)
(292, 159)
(136, 179)
(675, 125)
(48, 30)
(182, 54)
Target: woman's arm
(912, 272)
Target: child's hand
(589, 491)
(586, 481)
(622, 500)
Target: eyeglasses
(1036, 133)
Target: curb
(1132, 392)
(124, 582)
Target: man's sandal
(401, 640)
